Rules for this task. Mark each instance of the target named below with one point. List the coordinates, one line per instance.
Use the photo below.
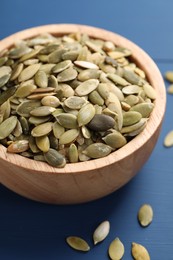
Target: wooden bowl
(85, 181)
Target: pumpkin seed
(132, 89)
(70, 55)
(41, 79)
(49, 49)
(101, 232)
(19, 51)
(32, 145)
(28, 72)
(39, 96)
(86, 87)
(3, 60)
(168, 141)
(18, 146)
(77, 243)
(131, 100)
(50, 101)
(61, 66)
(30, 62)
(54, 158)
(86, 64)
(116, 249)
(58, 130)
(139, 252)
(43, 143)
(69, 136)
(42, 129)
(24, 124)
(101, 122)
(144, 109)
(145, 215)
(169, 76)
(53, 142)
(7, 126)
(17, 130)
(24, 90)
(37, 120)
(73, 153)
(134, 127)
(47, 68)
(7, 94)
(103, 90)
(97, 150)
(88, 74)
(170, 89)
(16, 71)
(131, 77)
(115, 140)
(74, 102)
(29, 55)
(42, 111)
(85, 115)
(86, 133)
(67, 120)
(67, 75)
(149, 91)
(55, 56)
(3, 80)
(5, 109)
(95, 98)
(117, 79)
(131, 117)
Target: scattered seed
(145, 215)
(116, 249)
(168, 141)
(101, 232)
(78, 243)
(139, 252)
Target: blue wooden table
(35, 231)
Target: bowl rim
(155, 119)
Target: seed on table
(78, 243)
(101, 232)
(116, 249)
(169, 76)
(170, 89)
(145, 215)
(139, 252)
(168, 141)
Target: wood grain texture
(90, 180)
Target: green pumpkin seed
(30, 62)
(58, 130)
(169, 76)
(74, 102)
(77, 243)
(24, 124)
(85, 115)
(42, 129)
(145, 215)
(86, 87)
(49, 49)
(29, 55)
(47, 68)
(69, 136)
(53, 142)
(3, 80)
(54, 158)
(134, 127)
(101, 232)
(132, 89)
(144, 109)
(41, 79)
(50, 101)
(67, 120)
(18, 146)
(149, 91)
(117, 79)
(131, 77)
(116, 91)
(67, 90)
(97, 150)
(56, 56)
(61, 66)
(131, 117)
(26, 107)
(39, 158)
(168, 141)
(70, 55)
(115, 106)
(16, 71)
(32, 145)
(3, 60)
(37, 120)
(7, 127)
(43, 143)
(103, 90)
(5, 109)
(139, 252)
(131, 100)
(88, 74)
(101, 122)
(28, 72)
(19, 51)
(52, 82)
(137, 131)
(67, 75)
(42, 111)
(7, 94)
(107, 68)
(95, 98)
(85, 132)
(73, 153)
(116, 249)
(37, 96)
(18, 129)
(25, 90)
(115, 140)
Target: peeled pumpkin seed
(69, 136)
(58, 130)
(54, 158)
(18, 129)
(131, 117)
(103, 90)
(116, 249)
(86, 87)
(117, 79)
(29, 55)
(43, 143)
(16, 71)
(50, 101)
(131, 100)
(86, 64)
(134, 127)
(78, 243)
(39, 96)
(97, 150)
(67, 75)
(42, 111)
(67, 120)
(25, 90)
(101, 232)
(85, 115)
(42, 129)
(74, 102)
(7, 94)
(7, 126)
(101, 123)
(115, 140)
(73, 153)
(144, 109)
(28, 72)
(131, 77)
(131, 89)
(149, 91)
(18, 146)
(41, 79)
(145, 215)
(4, 79)
(139, 252)
(168, 141)
(88, 74)
(32, 145)
(37, 120)
(95, 98)
(61, 66)
(4, 71)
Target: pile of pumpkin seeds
(70, 98)
(116, 248)
(168, 141)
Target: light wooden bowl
(85, 181)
